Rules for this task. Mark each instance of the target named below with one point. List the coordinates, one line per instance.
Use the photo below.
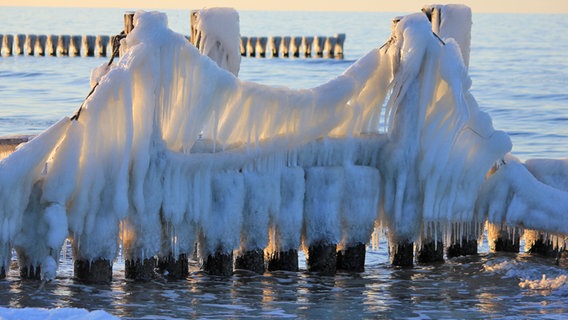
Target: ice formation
(171, 149)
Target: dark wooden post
(275, 43)
(30, 44)
(88, 45)
(285, 47)
(295, 46)
(51, 45)
(339, 44)
(251, 46)
(41, 44)
(63, 45)
(75, 46)
(8, 44)
(261, 46)
(502, 239)
(19, 41)
(128, 22)
(540, 243)
(319, 42)
(329, 46)
(101, 43)
(307, 43)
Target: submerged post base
(322, 258)
(219, 264)
(431, 251)
(464, 247)
(506, 245)
(252, 260)
(2, 272)
(402, 254)
(544, 248)
(173, 268)
(283, 260)
(30, 272)
(97, 271)
(140, 270)
(352, 258)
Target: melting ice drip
(170, 141)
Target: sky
(477, 6)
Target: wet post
(88, 45)
(30, 44)
(75, 46)
(244, 41)
(96, 271)
(329, 47)
(19, 42)
(503, 239)
(251, 46)
(41, 44)
(295, 46)
(138, 269)
(431, 247)
(28, 270)
(319, 43)
(322, 221)
(307, 43)
(285, 47)
(51, 45)
(172, 264)
(261, 46)
(8, 44)
(219, 263)
(275, 43)
(63, 45)
(401, 253)
(541, 244)
(101, 44)
(339, 44)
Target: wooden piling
(319, 42)
(402, 253)
(295, 46)
(251, 46)
(430, 251)
(218, 264)
(136, 269)
(31, 40)
(174, 268)
(329, 47)
(339, 44)
(252, 260)
(244, 42)
(261, 46)
(352, 258)
(462, 247)
(41, 45)
(8, 44)
(282, 260)
(97, 271)
(19, 42)
(63, 45)
(75, 46)
(503, 239)
(51, 45)
(322, 258)
(275, 43)
(285, 46)
(539, 243)
(88, 45)
(128, 21)
(2, 272)
(307, 43)
(101, 44)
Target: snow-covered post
(322, 217)
(251, 46)
(220, 227)
(285, 46)
(261, 46)
(51, 45)
(295, 46)
(359, 212)
(41, 44)
(286, 223)
(319, 43)
(101, 43)
(88, 45)
(329, 46)
(75, 46)
(262, 199)
(339, 44)
(431, 246)
(243, 46)
(216, 33)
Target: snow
(171, 148)
(59, 314)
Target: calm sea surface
(519, 68)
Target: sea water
(519, 68)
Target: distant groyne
(103, 45)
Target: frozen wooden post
(51, 45)
(101, 43)
(30, 44)
(75, 46)
(244, 41)
(464, 242)
(128, 22)
(88, 45)
(193, 33)
(41, 44)
(329, 47)
(360, 206)
(261, 46)
(295, 46)
(285, 236)
(307, 43)
(63, 45)
(97, 271)
(319, 42)
(285, 47)
(501, 238)
(339, 44)
(540, 243)
(275, 43)
(251, 46)
(401, 252)
(8, 44)
(322, 225)
(19, 41)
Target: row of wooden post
(101, 46)
(306, 46)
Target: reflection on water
(469, 287)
